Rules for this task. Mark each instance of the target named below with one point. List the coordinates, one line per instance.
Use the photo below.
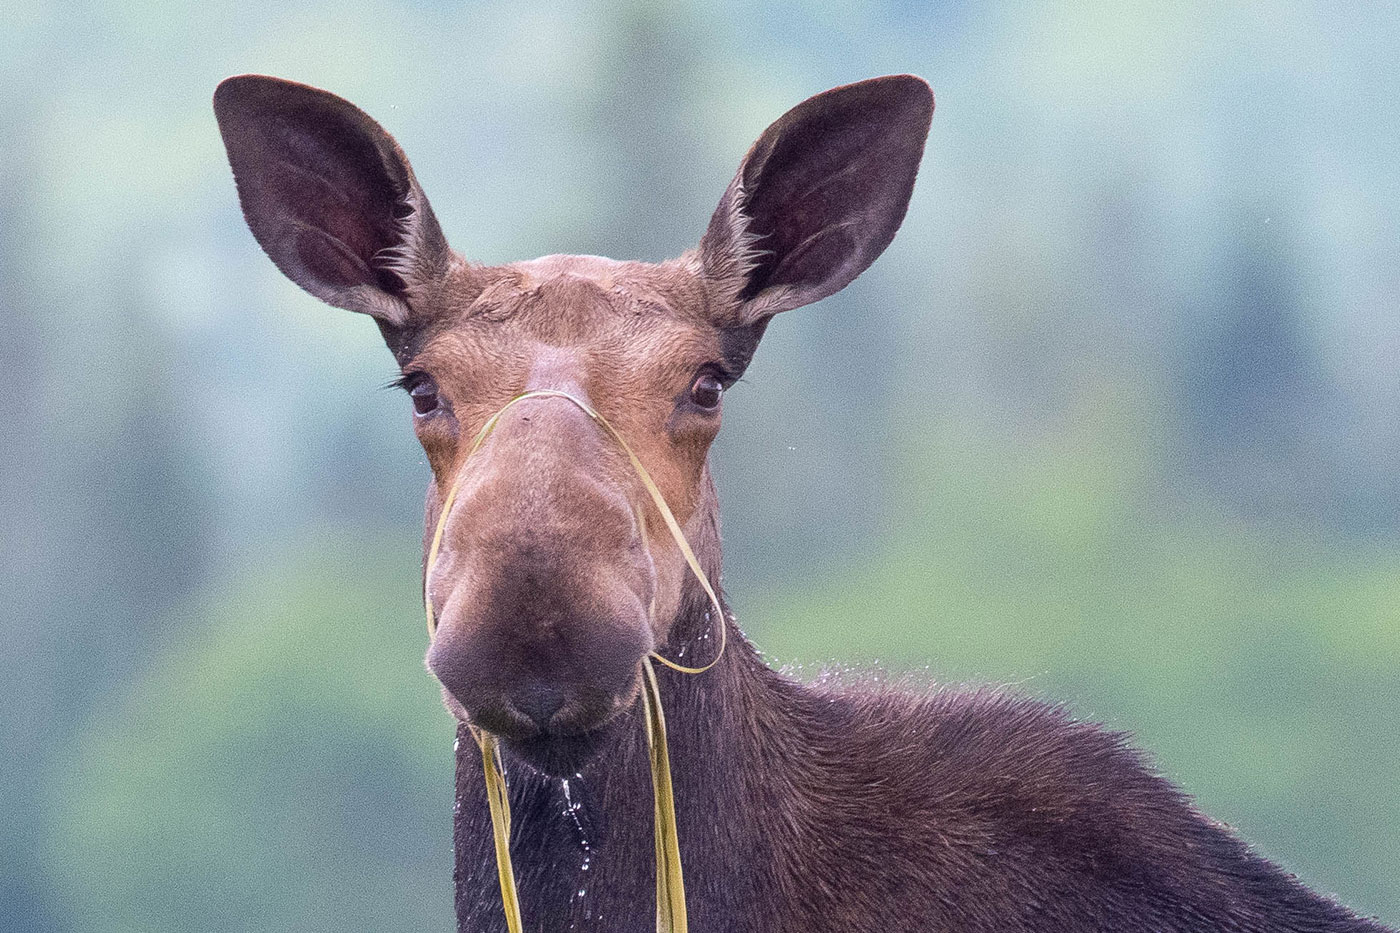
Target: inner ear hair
(330, 196)
(819, 196)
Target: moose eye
(706, 390)
(424, 393)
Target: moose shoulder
(800, 808)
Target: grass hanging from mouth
(670, 885)
(500, 826)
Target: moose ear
(329, 196)
(819, 196)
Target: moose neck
(583, 850)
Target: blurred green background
(1115, 420)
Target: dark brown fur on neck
(800, 808)
(840, 807)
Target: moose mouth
(562, 748)
(564, 754)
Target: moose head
(553, 580)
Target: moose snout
(532, 646)
(516, 690)
(538, 703)
(500, 698)
(529, 647)
(544, 586)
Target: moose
(800, 807)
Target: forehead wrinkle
(654, 365)
(499, 301)
(578, 314)
(562, 309)
(675, 287)
(569, 309)
(470, 360)
(635, 325)
(546, 286)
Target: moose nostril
(539, 703)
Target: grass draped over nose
(670, 884)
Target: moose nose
(539, 703)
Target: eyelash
(406, 381)
(725, 377)
(403, 381)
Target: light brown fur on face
(549, 489)
(554, 578)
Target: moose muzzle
(542, 580)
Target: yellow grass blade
(670, 885)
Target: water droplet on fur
(573, 808)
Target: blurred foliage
(283, 767)
(1207, 638)
(1115, 420)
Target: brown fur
(800, 808)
